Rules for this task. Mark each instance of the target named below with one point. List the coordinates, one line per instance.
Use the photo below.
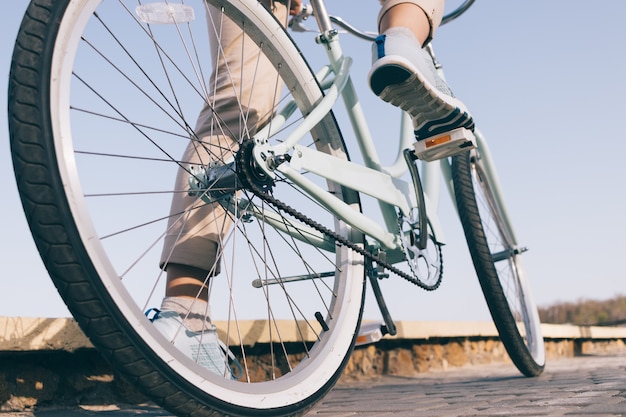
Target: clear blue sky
(545, 82)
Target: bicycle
(101, 100)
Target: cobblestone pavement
(583, 386)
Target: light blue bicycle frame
(381, 182)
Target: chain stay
(339, 240)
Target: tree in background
(586, 312)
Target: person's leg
(422, 17)
(192, 242)
(404, 75)
(190, 254)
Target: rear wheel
(102, 108)
(498, 263)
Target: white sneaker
(403, 74)
(204, 347)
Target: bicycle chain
(265, 196)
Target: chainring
(426, 264)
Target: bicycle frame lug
(373, 271)
(375, 274)
(260, 140)
(276, 160)
(263, 159)
(326, 37)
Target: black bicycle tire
(59, 242)
(487, 275)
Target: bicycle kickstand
(374, 275)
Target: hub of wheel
(248, 171)
(220, 180)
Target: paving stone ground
(582, 386)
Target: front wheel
(498, 263)
(104, 101)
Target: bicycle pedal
(369, 333)
(445, 145)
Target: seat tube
(321, 15)
(431, 180)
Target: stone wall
(42, 360)
(411, 357)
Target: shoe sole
(433, 112)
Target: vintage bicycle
(103, 99)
